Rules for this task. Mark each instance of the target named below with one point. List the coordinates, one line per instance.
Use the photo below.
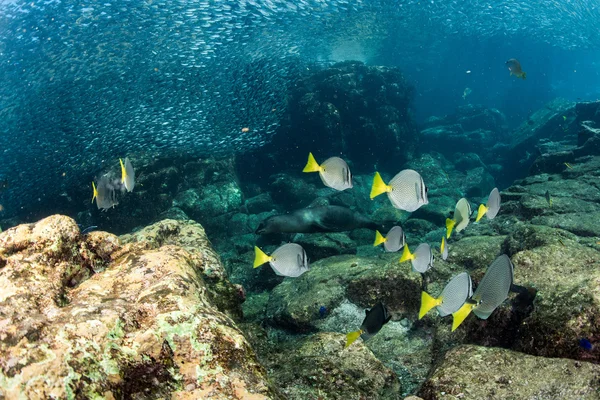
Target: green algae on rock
(144, 326)
(474, 372)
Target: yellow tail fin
(524, 75)
(482, 210)
(427, 303)
(123, 171)
(449, 226)
(406, 254)
(260, 257)
(459, 316)
(311, 165)
(379, 186)
(443, 245)
(351, 337)
(95, 191)
(378, 239)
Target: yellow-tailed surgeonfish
(104, 193)
(287, 260)
(444, 249)
(406, 190)
(454, 295)
(548, 198)
(491, 292)
(421, 259)
(393, 241)
(334, 172)
(514, 66)
(127, 174)
(460, 220)
(491, 208)
(375, 318)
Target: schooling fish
(287, 260)
(454, 295)
(334, 172)
(421, 259)
(514, 66)
(444, 249)
(104, 193)
(491, 292)
(406, 190)
(462, 213)
(127, 174)
(394, 240)
(375, 318)
(491, 208)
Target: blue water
(84, 83)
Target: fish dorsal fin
(379, 239)
(311, 164)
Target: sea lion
(316, 219)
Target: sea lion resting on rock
(316, 219)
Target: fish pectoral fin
(427, 303)
(378, 187)
(449, 226)
(379, 239)
(311, 164)
(482, 210)
(459, 316)
(260, 257)
(351, 337)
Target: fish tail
(94, 191)
(260, 257)
(378, 187)
(427, 303)
(378, 239)
(443, 245)
(524, 75)
(459, 316)
(311, 164)
(406, 254)
(123, 171)
(449, 226)
(482, 210)
(352, 336)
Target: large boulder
(83, 316)
(475, 372)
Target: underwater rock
(478, 183)
(191, 236)
(291, 191)
(323, 245)
(293, 303)
(474, 372)
(143, 327)
(260, 203)
(318, 366)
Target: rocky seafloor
(172, 307)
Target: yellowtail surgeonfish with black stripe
(334, 172)
(287, 260)
(406, 190)
(421, 259)
(374, 320)
(393, 241)
(454, 295)
(127, 174)
(491, 292)
(460, 220)
(104, 193)
(491, 208)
